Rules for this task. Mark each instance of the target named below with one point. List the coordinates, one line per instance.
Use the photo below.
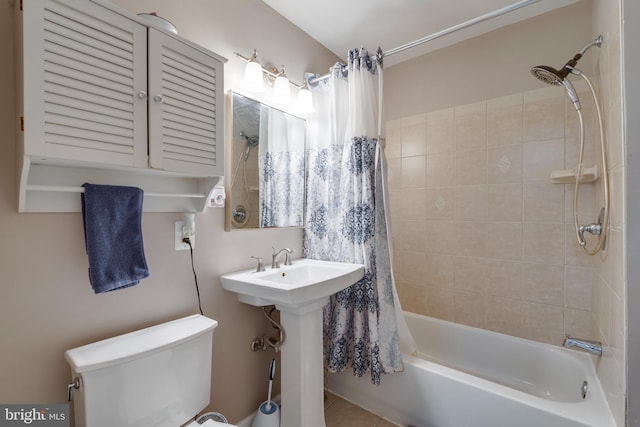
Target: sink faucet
(274, 257)
(593, 347)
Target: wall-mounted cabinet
(107, 99)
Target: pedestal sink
(299, 291)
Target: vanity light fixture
(304, 103)
(253, 78)
(254, 82)
(281, 89)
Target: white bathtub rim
(594, 408)
(592, 412)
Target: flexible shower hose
(605, 175)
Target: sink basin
(305, 281)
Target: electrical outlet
(179, 235)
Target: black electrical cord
(195, 277)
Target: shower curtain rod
(446, 31)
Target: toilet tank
(158, 376)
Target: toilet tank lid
(122, 348)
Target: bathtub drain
(585, 389)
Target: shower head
(554, 77)
(548, 75)
(252, 141)
(551, 76)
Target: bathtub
(469, 377)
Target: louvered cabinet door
(185, 108)
(85, 83)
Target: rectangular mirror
(265, 166)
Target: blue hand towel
(112, 217)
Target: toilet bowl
(158, 376)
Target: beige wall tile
(616, 177)
(543, 243)
(413, 136)
(617, 322)
(504, 279)
(393, 139)
(543, 323)
(541, 158)
(440, 270)
(504, 165)
(543, 283)
(413, 172)
(409, 267)
(441, 131)
(440, 303)
(579, 287)
(470, 274)
(544, 114)
(440, 203)
(394, 173)
(586, 202)
(469, 308)
(471, 126)
(410, 236)
(471, 203)
(504, 240)
(412, 298)
(578, 323)
(471, 239)
(572, 130)
(615, 243)
(573, 252)
(471, 167)
(505, 120)
(504, 315)
(441, 170)
(441, 237)
(504, 202)
(544, 202)
(413, 204)
(572, 151)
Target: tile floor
(340, 413)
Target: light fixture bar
(266, 71)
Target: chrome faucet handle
(260, 266)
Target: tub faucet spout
(593, 347)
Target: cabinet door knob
(142, 94)
(157, 98)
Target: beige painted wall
(46, 303)
(490, 66)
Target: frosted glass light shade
(253, 80)
(304, 103)
(281, 89)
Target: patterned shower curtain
(346, 217)
(281, 169)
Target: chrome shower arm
(597, 42)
